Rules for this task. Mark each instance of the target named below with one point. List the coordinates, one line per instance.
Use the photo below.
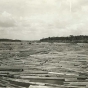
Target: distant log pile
(70, 39)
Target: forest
(9, 40)
(68, 39)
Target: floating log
(43, 78)
(15, 69)
(19, 82)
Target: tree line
(68, 39)
(9, 40)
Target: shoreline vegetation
(9, 40)
(66, 39)
(69, 39)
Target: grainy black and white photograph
(43, 43)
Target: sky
(36, 19)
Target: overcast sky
(36, 19)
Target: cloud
(6, 20)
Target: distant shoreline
(69, 39)
(9, 40)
